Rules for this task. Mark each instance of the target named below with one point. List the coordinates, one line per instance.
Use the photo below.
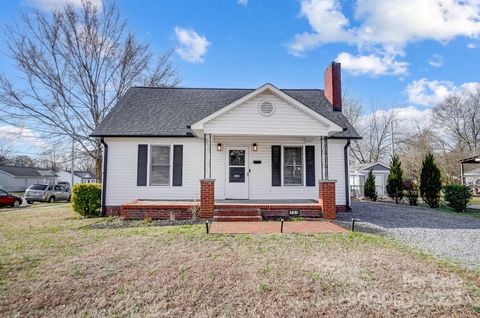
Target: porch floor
(269, 202)
(225, 203)
(274, 227)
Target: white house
(359, 174)
(278, 151)
(17, 179)
(79, 177)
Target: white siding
(287, 120)
(336, 167)
(122, 171)
(65, 176)
(9, 183)
(260, 179)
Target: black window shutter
(142, 161)
(276, 166)
(310, 165)
(177, 165)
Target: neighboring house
(472, 177)
(79, 177)
(17, 179)
(282, 151)
(359, 174)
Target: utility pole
(73, 161)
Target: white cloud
(328, 24)
(407, 119)
(386, 25)
(191, 46)
(431, 92)
(371, 64)
(20, 137)
(243, 2)
(436, 60)
(52, 5)
(472, 45)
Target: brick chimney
(333, 85)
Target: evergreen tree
(395, 180)
(369, 190)
(430, 181)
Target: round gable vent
(266, 108)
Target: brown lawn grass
(51, 265)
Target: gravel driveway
(447, 235)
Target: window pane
(160, 155)
(160, 175)
(293, 175)
(293, 156)
(237, 175)
(293, 166)
(237, 157)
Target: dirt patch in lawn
(53, 266)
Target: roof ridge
(226, 88)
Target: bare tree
(351, 106)
(75, 64)
(5, 152)
(458, 116)
(24, 161)
(375, 128)
(413, 150)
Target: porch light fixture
(254, 147)
(219, 147)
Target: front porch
(233, 210)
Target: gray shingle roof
(84, 174)
(375, 165)
(160, 111)
(20, 171)
(46, 173)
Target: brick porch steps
(237, 215)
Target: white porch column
(208, 156)
(324, 158)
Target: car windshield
(37, 187)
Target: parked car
(46, 193)
(65, 184)
(9, 199)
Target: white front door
(237, 173)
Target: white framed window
(160, 165)
(293, 165)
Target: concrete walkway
(274, 227)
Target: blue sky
(397, 53)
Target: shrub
(195, 210)
(86, 199)
(369, 190)
(411, 190)
(430, 181)
(395, 180)
(458, 196)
